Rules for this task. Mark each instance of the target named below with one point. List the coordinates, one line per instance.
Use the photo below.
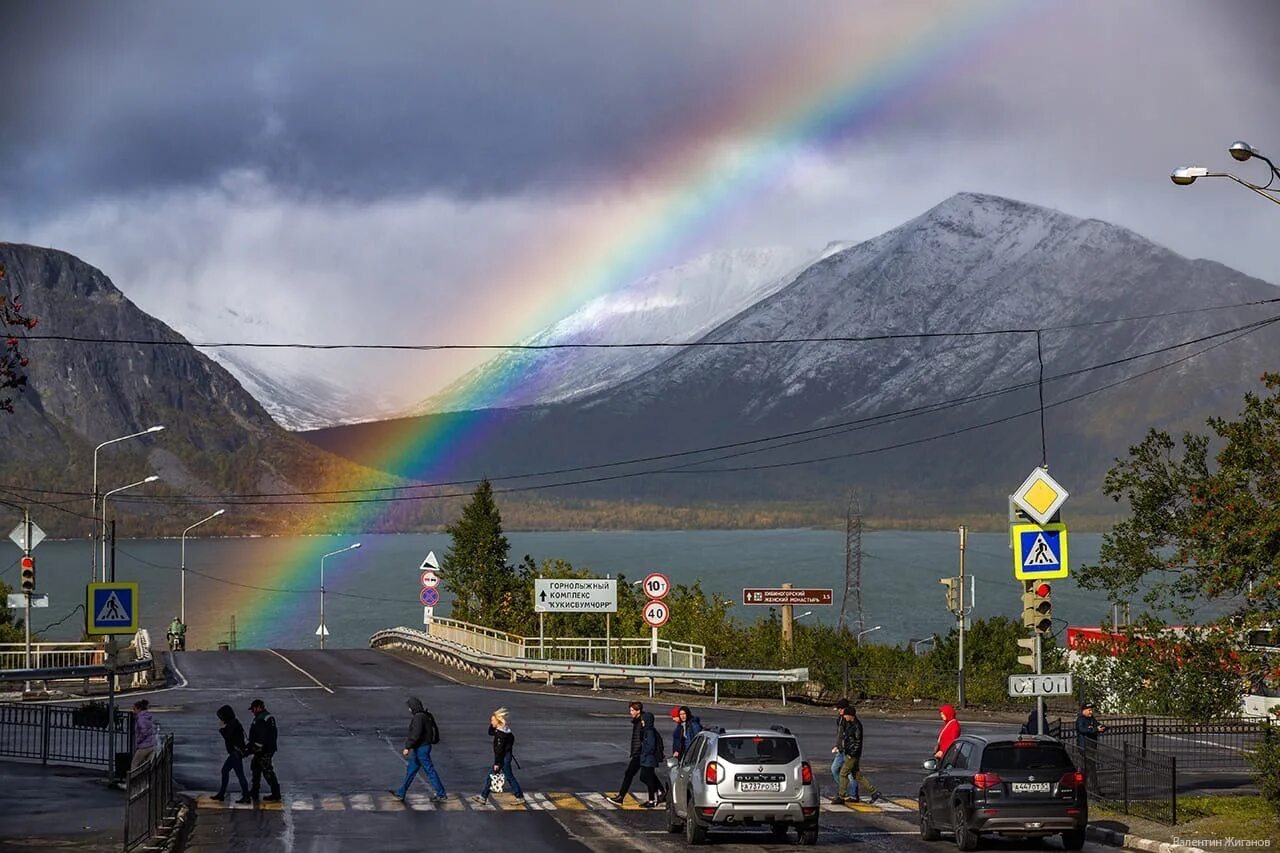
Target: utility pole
(961, 617)
(27, 560)
(786, 623)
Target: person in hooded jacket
(144, 734)
(949, 732)
(651, 755)
(423, 732)
(233, 738)
(635, 709)
(504, 744)
(687, 728)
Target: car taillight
(1073, 779)
(714, 772)
(985, 780)
(806, 773)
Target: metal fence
(629, 651)
(57, 655)
(1140, 782)
(150, 796)
(1219, 746)
(64, 734)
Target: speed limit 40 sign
(656, 613)
(656, 585)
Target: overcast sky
(380, 171)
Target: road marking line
(486, 806)
(390, 803)
(419, 802)
(452, 803)
(269, 806)
(301, 803)
(361, 802)
(299, 669)
(507, 802)
(909, 805)
(597, 801)
(567, 802)
(333, 803)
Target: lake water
(900, 576)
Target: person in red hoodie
(950, 729)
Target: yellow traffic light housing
(1029, 659)
(953, 593)
(28, 573)
(1037, 607)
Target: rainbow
(850, 78)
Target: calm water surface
(900, 575)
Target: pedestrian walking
(1087, 730)
(233, 739)
(837, 757)
(687, 728)
(1032, 725)
(504, 743)
(949, 732)
(635, 709)
(263, 738)
(144, 734)
(423, 734)
(651, 756)
(851, 753)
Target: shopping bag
(497, 782)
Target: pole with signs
(656, 586)
(960, 668)
(786, 623)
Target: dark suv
(1017, 786)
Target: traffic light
(1037, 608)
(1029, 659)
(28, 573)
(953, 593)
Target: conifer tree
(475, 566)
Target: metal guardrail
(14, 655)
(149, 795)
(1140, 782)
(627, 650)
(63, 734)
(142, 663)
(486, 663)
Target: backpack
(659, 749)
(433, 731)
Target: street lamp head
(1186, 175)
(357, 545)
(1241, 150)
(151, 479)
(219, 512)
(155, 428)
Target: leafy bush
(1266, 768)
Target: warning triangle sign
(1040, 553)
(113, 610)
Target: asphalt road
(342, 718)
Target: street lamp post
(321, 630)
(182, 606)
(150, 479)
(916, 644)
(804, 614)
(93, 512)
(858, 639)
(1241, 151)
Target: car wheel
(966, 838)
(674, 823)
(1073, 839)
(809, 835)
(694, 832)
(927, 830)
(779, 830)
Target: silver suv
(743, 777)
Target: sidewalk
(48, 804)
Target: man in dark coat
(423, 732)
(262, 746)
(651, 755)
(1087, 729)
(851, 748)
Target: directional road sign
(430, 596)
(111, 608)
(656, 585)
(575, 595)
(656, 613)
(1039, 551)
(19, 536)
(19, 599)
(778, 596)
(1040, 496)
(430, 579)
(1048, 684)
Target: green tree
(475, 566)
(1203, 536)
(12, 361)
(12, 628)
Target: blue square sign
(111, 608)
(1039, 551)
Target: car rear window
(758, 749)
(1039, 756)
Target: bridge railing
(489, 665)
(634, 651)
(139, 665)
(14, 655)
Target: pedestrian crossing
(382, 801)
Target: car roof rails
(719, 730)
(780, 730)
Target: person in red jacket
(950, 729)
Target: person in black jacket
(233, 738)
(650, 757)
(423, 732)
(262, 746)
(504, 743)
(635, 709)
(851, 748)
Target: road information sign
(19, 599)
(111, 608)
(779, 596)
(19, 536)
(1040, 685)
(1039, 551)
(575, 595)
(430, 596)
(1040, 496)
(656, 613)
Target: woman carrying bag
(501, 777)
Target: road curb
(1132, 842)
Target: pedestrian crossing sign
(111, 608)
(1040, 551)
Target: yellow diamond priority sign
(1040, 496)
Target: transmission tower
(852, 562)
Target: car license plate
(1030, 787)
(760, 786)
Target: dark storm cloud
(358, 98)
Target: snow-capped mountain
(678, 304)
